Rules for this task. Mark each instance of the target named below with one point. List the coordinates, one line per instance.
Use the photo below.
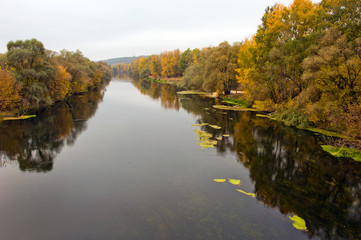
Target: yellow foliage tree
(169, 61)
(9, 90)
(60, 86)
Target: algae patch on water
(219, 180)
(206, 124)
(249, 194)
(343, 152)
(235, 181)
(200, 125)
(298, 223)
(205, 140)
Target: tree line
(32, 77)
(303, 64)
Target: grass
(312, 129)
(266, 116)
(241, 103)
(343, 152)
(18, 118)
(327, 133)
(234, 108)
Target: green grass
(241, 103)
(326, 132)
(234, 108)
(343, 152)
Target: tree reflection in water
(34, 143)
(289, 169)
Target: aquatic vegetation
(19, 118)
(343, 152)
(234, 108)
(326, 132)
(204, 139)
(265, 116)
(200, 125)
(249, 194)
(219, 180)
(207, 124)
(241, 103)
(298, 223)
(214, 126)
(235, 181)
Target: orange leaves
(169, 61)
(60, 85)
(9, 90)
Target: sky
(104, 29)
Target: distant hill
(121, 60)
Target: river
(138, 161)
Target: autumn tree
(170, 63)
(9, 90)
(335, 65)
(60, 85)
(220, 68)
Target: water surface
(125, 164)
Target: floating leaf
(235, 181)
(200, 125)
(219, 180)
(249, 194)
(214, 126)
(298, 223)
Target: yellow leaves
(9, 90)
(235, 182)
(298, 223)
(169, 61)
(246, 193)
(219, 180)
(61, 84)
(204, 139)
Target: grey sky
(104, 29)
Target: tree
(170, 63)
(185, 61)
(9, 90)
(220, 68)
(59, 87)
(336, 67)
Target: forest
(33, 77)
(302, 66)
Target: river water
(127, 163)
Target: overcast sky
(104, 29)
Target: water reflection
(166, 93)
(289, 171)
(34, 143)
(288, 167)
